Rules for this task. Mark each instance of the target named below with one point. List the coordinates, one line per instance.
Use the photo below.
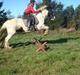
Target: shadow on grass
(51, 41)
(22, 44)
(61, 40)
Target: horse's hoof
(28, 31)
(8, 47)
(45, 33)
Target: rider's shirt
(30, 9)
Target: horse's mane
(42, 8)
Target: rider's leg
(34, 23)
(26, 18)
(30, 21)
(36, 20)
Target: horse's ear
(44, 7)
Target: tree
(77, 16)
(57, 9)
(9, 16)
(46, 2)
(3, 14)
(68, 16)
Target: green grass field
(62, 57)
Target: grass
(62, 57)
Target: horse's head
(48, 13)
(45, 12)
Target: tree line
(65, 18)
(4, 15)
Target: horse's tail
(3, 34)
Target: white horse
(14, 24)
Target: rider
(28, 13)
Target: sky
(17, 7)
(66, 3)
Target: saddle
(31, 19)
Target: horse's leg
(10, 34)
(46, 28)
(43, 27)
(25, 28)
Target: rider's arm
(33, 11)
(30, 9)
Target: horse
(12, 25)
